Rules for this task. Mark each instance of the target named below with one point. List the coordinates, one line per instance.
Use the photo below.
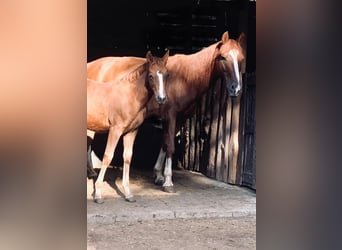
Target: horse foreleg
(170, 149)
(113, 138)
(168, 185)
(128, 142)
(158, 168)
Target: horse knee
(127, 156)
(169, 149)
(107, 158)
(164, 148)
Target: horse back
(108, 69)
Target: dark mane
(135, 74)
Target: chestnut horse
(190, 77)
(120, 108)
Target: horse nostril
(161, 99)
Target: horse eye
(151, 77)
(222, 58)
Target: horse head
(231, 62)
(157, 75)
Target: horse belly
(97, 115)
(97, 122)
(137, 121)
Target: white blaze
(161, 85)
(233, 54)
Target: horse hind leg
(159, 180)
(91, 173)
(128, 142)
(113, 138)
(90, 168)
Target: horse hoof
(159, 181)
(130, 199)
(91, 173)
(168, 189)
(99, 200)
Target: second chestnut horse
(120, 108)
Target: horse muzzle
(161, 100)
(234, 93)
(234, 89)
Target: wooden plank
(220, 134)
(227, 122)
(222, 157)
(192, 143)
(234, 142)
(186, 144)
(203, 135)
(213, 129)
(207, 120)
(242, 132)
(197, 136)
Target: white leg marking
(91, 134)
(96, 161)
(99, 182)
(158, 167)
(125, 176)
(161, 85)
(168, 172)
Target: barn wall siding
(209, 136)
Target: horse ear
(166, 56)
(225, 36)
(149, 57)
(242, 40)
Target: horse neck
(200, 71)
(137, 75)
(139, 78)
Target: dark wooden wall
(184, 26)
(124, 27)
(248, 135)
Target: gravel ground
(209, 233)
